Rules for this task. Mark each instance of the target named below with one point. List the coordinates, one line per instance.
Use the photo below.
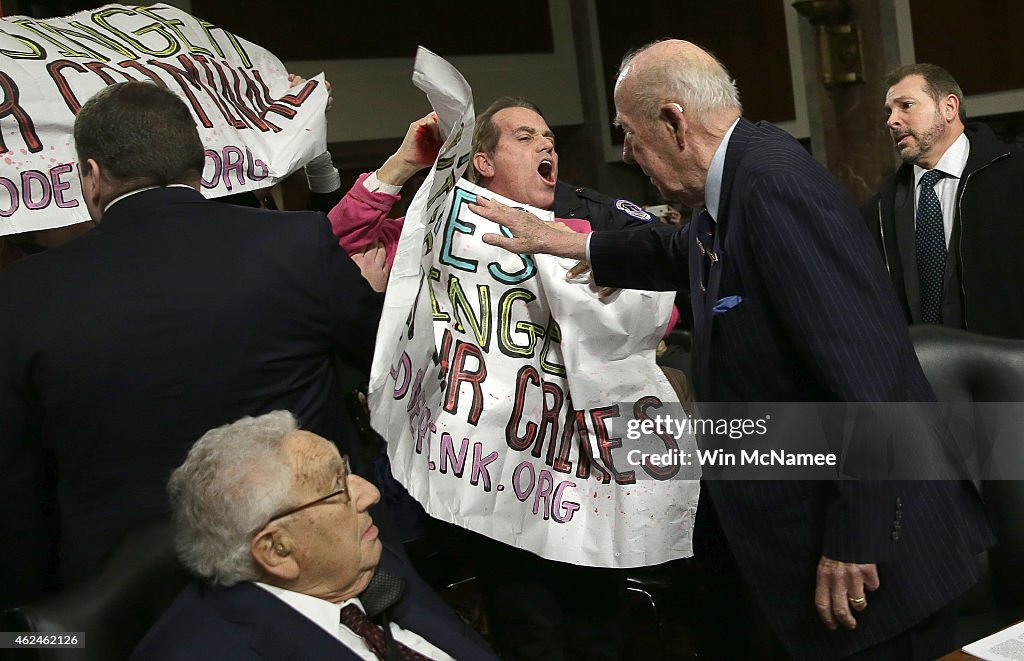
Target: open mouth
(546, 170)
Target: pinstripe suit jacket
(818, 321)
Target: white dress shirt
(952, 164)
(327, 616)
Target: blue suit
(245, 621)
(816, 321)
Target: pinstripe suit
(817, 322)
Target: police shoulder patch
(625, 206)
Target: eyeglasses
(344, 489)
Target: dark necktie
(382, 592)
(706, 246)
(930, 245)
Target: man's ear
(672, 114)
(951, 107)
(273, 551)
(482, 163)
(91, 176)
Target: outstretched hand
(530, 234)
(419, 149)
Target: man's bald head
(677, 71)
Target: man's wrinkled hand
(840, 589)
(530, 234)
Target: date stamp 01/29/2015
(42, 639)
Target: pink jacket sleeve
(360, 219)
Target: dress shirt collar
(952, 163)
(325, 614)
(713, 183)
(139, 190)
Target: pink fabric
(360, 219)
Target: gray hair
(235, 478)
(701, 85)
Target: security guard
(603, 212)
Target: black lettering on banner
(606, 443)
(512, 438)
(10, 107)
(640, 409)
(34, 52)
(460, 374)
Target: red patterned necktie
(355, 619)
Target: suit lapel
(903, 219)
(278, 631)
(704, 315)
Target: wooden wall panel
(360, 30)
(751, 42)
(979, 43)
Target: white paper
(1005, 645)
(256, 131)
(484, 356)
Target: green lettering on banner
(481, 324)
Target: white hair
(701, 85)
(235, 478)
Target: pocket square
(726, 304)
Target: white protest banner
(256, 131)
(506, 393)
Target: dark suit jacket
(120, 349)
(247, 622)
(984, 268)
(818, 321)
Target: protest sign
(504, 391)
(256, 131)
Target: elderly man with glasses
(271, 519)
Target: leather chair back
(115, 607)
(966, 368)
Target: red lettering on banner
(519, 443)
(549, 418)
(640, 409)
(606, 443)
(460, 374)
(9, 107)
